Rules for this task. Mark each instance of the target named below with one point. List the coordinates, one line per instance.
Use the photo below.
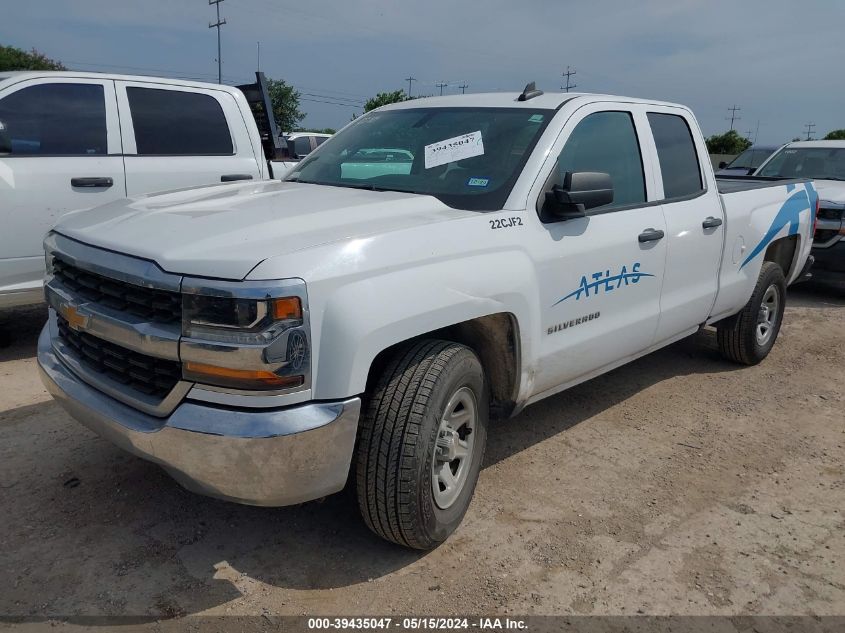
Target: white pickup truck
(264, 342)
(71, 140)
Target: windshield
(468, 158)
(750, 159)
(825, 163)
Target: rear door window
(676, 152)
(55, 119)
(177, 123)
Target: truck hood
(224, 231)
(830, 191)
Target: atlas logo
(789, 214)
(603, 281)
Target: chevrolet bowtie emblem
(74, 318)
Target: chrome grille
(149, 375)
(159, 306)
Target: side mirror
(580, 191)
(722, 164)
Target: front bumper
(830, 262)
(257, 457)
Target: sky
(780, 61)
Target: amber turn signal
(286, 308)
(242, 378)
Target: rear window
(677, 155)
(175, 123)
(61, 119)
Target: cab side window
(178, 123)
(60, 119)
(676, 151)
(607, 142)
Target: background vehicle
(73, 140)
(747, 162)
(824, 162)
(263, 341)
(300, 144)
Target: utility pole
(757, 132)
(441, 85)
(217, 25)
(748, 135)
(809, 130)
(568, 85)
(463, 88)
(733, 117)
(409, 79)
(258, 64)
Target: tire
(739, 336)
(403, 445)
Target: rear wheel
(748, 337)
(421, 441)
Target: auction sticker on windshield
(453, 149)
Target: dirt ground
(679, 484)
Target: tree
(383, 98)
(727, 143)
(285, 100)
(325, 130)
(12, 58)
(835, 135)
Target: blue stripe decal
(789, 214)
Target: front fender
(363, 318)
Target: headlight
(234, 320)
(246, 335)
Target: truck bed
(733, 184)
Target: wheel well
(782, 253)
(494, 338)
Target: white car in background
(824, 162)
(73, 140)
(300, 144)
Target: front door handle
(651, 235)
(711, 222)
(235, 177)
(96, 182)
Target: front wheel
(748, 337)
(421, 441)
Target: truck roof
(73, 74)
(545, 101)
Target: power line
(217, 25)
(733, 117)
(809, 130)
(441, 85)
(410, 79)
(568, 74)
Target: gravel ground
(678, 484)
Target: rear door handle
(711, 222)
(234, 177)
(96, 182)
(650, 235)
